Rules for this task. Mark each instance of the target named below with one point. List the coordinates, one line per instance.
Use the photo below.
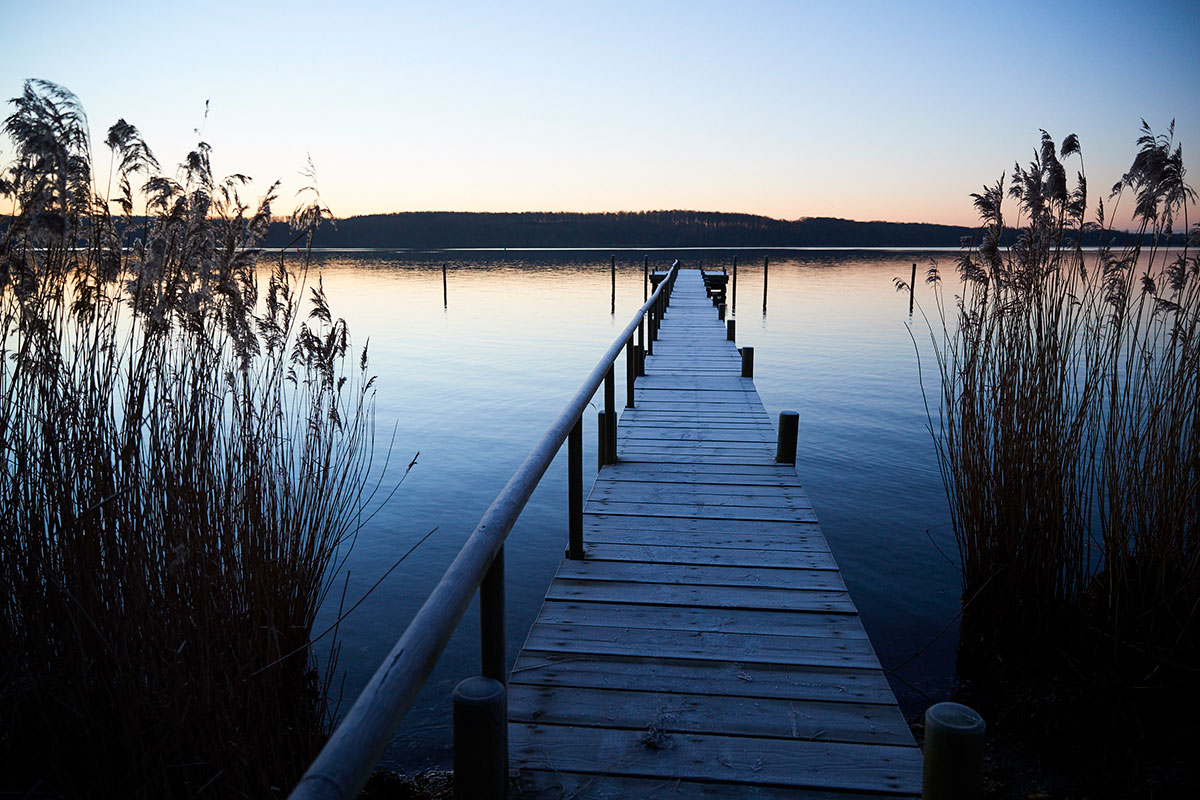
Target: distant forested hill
(438, 229)
(431, 230)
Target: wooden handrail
(342, 767)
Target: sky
(863, 110)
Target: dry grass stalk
(183, 460)
(1068, 431)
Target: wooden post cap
(953, 768)
(478, 691)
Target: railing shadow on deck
(342, 767)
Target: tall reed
(182, 459)
(1067, 431)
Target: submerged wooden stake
(766, 266)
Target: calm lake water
(474, 385)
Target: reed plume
(183, 453)
(1067, 430)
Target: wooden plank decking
(706, 647)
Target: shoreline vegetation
(437, 230)
(452, 230)
(1067, 427)
(184, 456)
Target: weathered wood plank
(535, 784)
(764, 648)
(700, 595)
(782, 577)
(712, 493)
(665, 553)
(785, 528)
(610, 534)
(646, 470)
(732, 759)
(718, 679)
(672, 712)
(690, 510)
(729, 620)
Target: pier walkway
(705, 646)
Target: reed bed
(1068, 422)
(183, 457)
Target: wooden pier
(705, 646)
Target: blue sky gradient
(867, 110)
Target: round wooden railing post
(747, 362)
(601, 446)
(480, 740)
(630, 371)
(491, 621)
(610, 416)
(789, 428)
(575, 491)
(733, 300)
(720, 312)
(730, 330)
(953, 768)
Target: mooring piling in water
(614, 285)
(766, 268)
(445, 293)
(912, 288)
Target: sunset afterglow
(864, 110)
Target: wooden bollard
(747, 362)
(720, 312)
(789, 428)
(480, 739)
(953, 767)
(730, 329)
